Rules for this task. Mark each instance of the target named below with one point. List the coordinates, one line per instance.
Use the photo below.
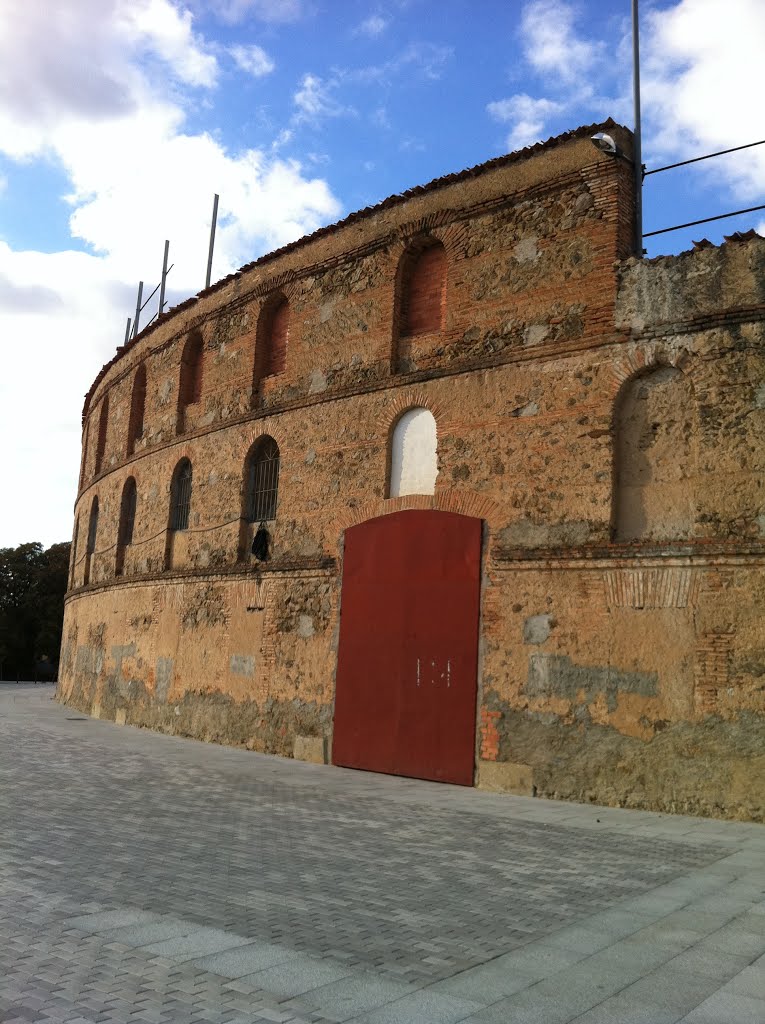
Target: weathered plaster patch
(163, 675)
(305, 627)
(536, 629)
(555, 675)
(242, 664)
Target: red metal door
(407, 665)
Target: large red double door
(405, 699)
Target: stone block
(310, 748)
(505, 777)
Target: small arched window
(103, 421)
(271, 340)
(180, 496)
(137, 407)
(654, 457)
(127, 521)
(422, 289)
(413, 454)
(262, 481)
(190, 384)
(90, 546)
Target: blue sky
(120, 118)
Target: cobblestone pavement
(146, 878)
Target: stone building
(456, 488)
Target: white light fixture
(604, 143)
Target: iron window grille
(179, 519)
(263, 482)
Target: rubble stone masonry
(603, 415)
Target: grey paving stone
(620, 1009)
(727, 1008)
(244, 960)
(748, 982)
(672, 988)
(459, 894)
(145, 934)
(486, 983)
(296, 976)
(733, 939)
(196, 944)
(354, 996)
(423, 1007)
(109, 919)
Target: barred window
(181, 496)
(262, 480)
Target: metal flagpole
(212, 240)
(138, 309)
(164, 278)
(638, 156)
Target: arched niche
(655, 458)
(413, 454)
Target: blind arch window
(262, 480)
(90, 545)
(413, 454)
(192, 370)
(103, 421)
(422, 289)
(271, 340)
(180, 496)
(137, 409)
(127, 522)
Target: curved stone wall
(609, 653)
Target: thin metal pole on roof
(212, 240)
(638, 158)
(127, 330)
(138, 308)
(161, 306)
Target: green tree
(32, 587)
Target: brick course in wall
(625, 673)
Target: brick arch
(269, 425)
(286, 283)
(403, 401)
(643, 360)
(463, 502)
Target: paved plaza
(147, 878)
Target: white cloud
(252, 59)
(551, 44)
(528, 116)
(372, 26)
(274, 11)
(167, 31)
(102, 95)
(702, 89)
(315, 100)
(65, 64)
